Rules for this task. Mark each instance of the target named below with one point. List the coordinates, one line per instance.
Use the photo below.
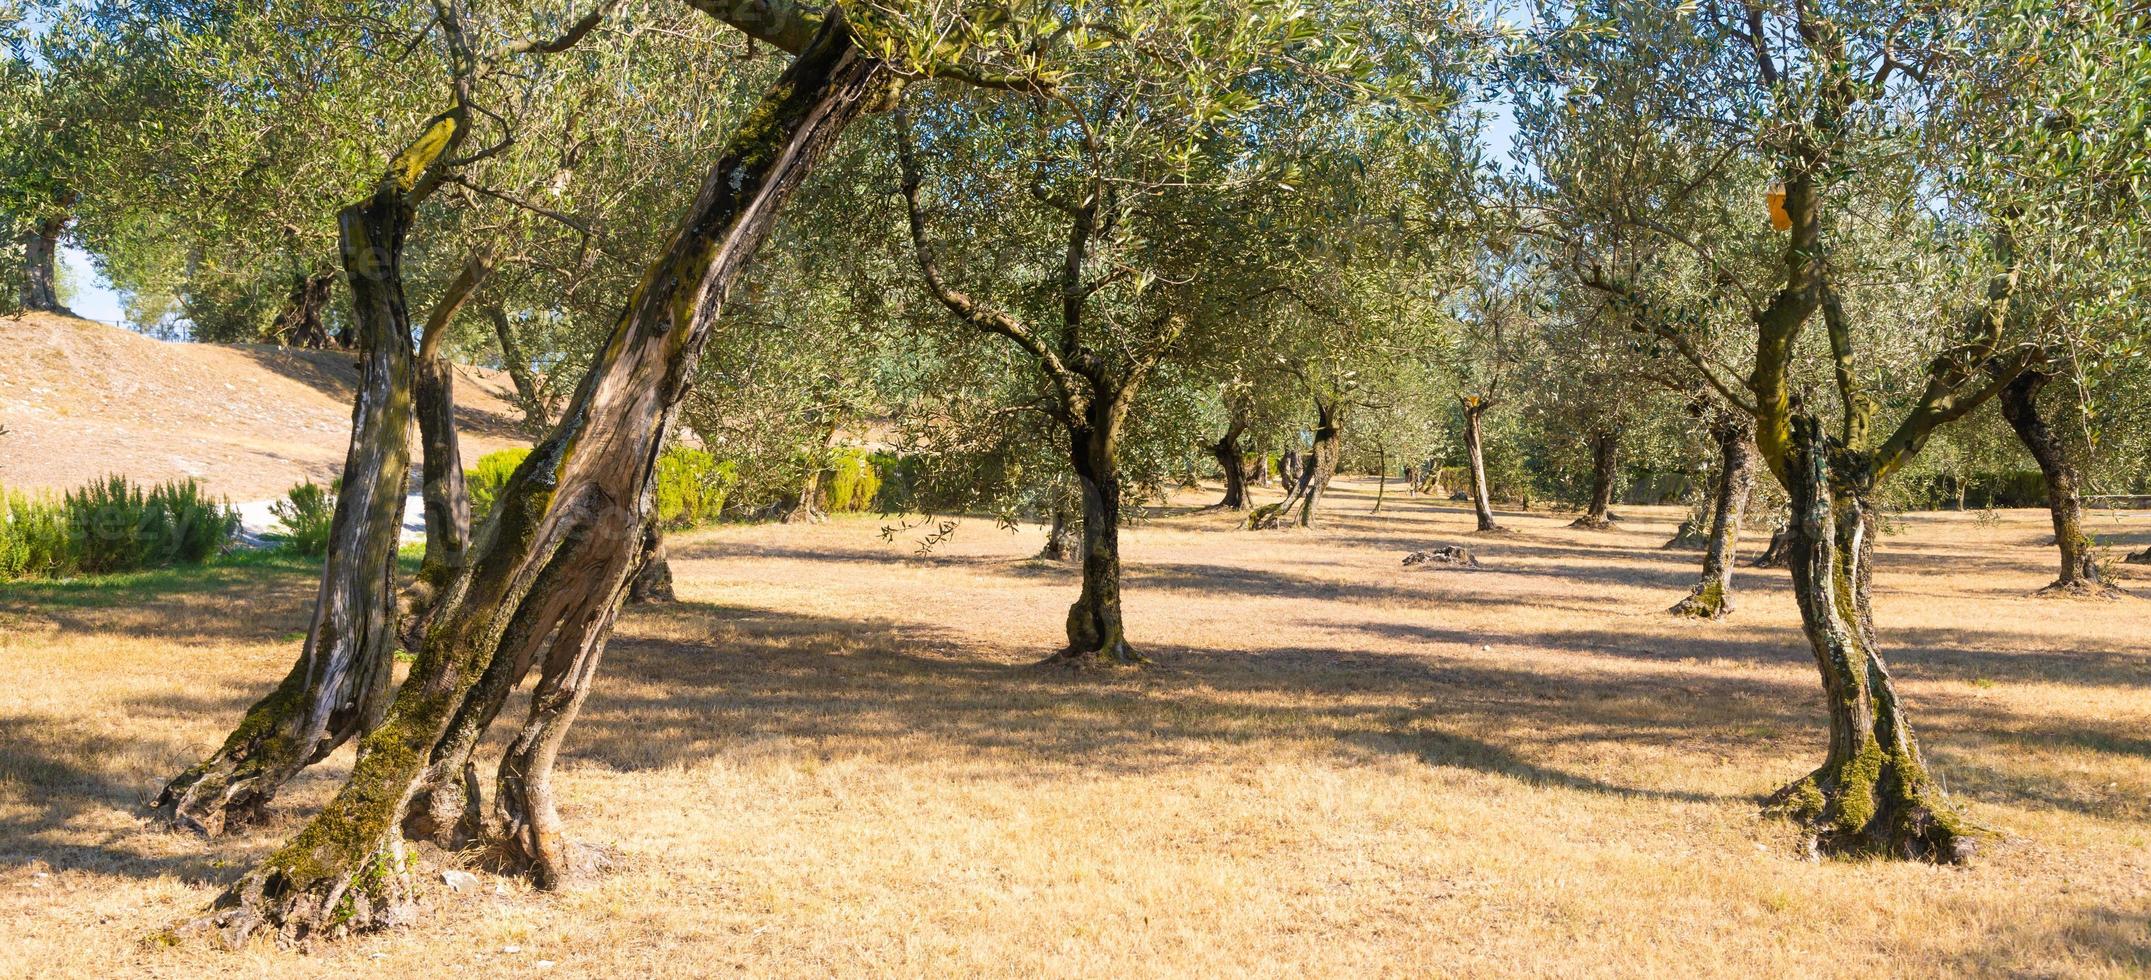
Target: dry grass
(831, 758)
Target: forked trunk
(40, 267)
(2064, 501)
(550, 567)
(1288, 471)
(299, 323)
(1873, 793)
(1096, 635)
(1481, 495)
(1233, 463)
(1605, 475)
(1712, 596)
(339, 687)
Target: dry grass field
(832, 758)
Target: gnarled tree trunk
(653, 570)
(1064, 530)
(2064, 501)
(1320, 464)
(1873, 793)
(1605, 475)
(40, 266)
(1481, 495)
(550, 567)
(443, 494)
(1233, 463)
(338, 688)
(1096, 634)
(1712, 596)
(299, 323)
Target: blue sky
(94, 298)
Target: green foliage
(118, 527)
(110, 526)
(854, 480)
(306, 512)
(692, 486)
(33, 537)
(485, 480)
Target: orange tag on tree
(1778, 218)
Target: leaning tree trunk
(1233, 463)
(537, 415)
(40, 267)
(550, 568)
(1096, 634)
(1481, 494)
(1605, 474)
(443, 494)
(2020, 405)
(1873, 793)
(1712, 597)
(1320, 465)
(339, 686)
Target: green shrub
(692, 486)
(114, 526)
(306, 513)
(485, 480)
(33, 537)
(854, 480)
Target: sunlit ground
(832, 757)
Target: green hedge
(692, 486)
(111, 525)
(484, 481)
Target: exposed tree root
(1116, 657)
(2081, 589)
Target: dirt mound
(81, 399)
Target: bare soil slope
(81, 399)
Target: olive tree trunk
(1712, 597)
(653, 574)
(40, 272)
(1064, 530)
(1096, 634)
(549, 569)
(537, 414)
(1605, 477)
(1481, 495)
(339, 686)
(1232, 461)
(2064, 501)
(299, 323)
(1873, 793)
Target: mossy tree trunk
(2064, 500)
(549, 569)
(1873, 793)
(1712, 597)
(40, 266)
(338, 688)
(1482, 502)
(1605, 480)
